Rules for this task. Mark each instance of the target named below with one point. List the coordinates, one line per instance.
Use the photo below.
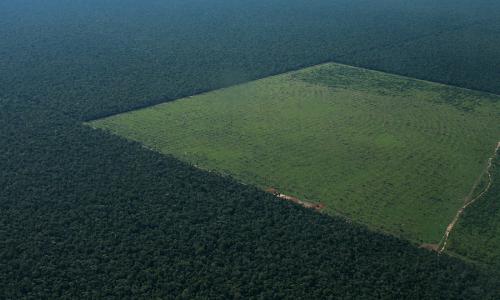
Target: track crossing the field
(450, 227)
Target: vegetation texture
(388, 151)
(87, 215)
(477, 234)
(176, 230)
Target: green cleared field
(477, 234)
(395, 153)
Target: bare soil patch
(316, 206)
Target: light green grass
(477, 234)
(394, 153)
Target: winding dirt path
(449, 229)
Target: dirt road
(468, 202)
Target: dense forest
(92, 58)
(86, 214)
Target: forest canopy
(86, 214)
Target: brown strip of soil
(316, 206)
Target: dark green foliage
(466, 57)
(87, 214)
(84, 214)
(94, 58)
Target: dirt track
(317, 207)
(468, 202)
